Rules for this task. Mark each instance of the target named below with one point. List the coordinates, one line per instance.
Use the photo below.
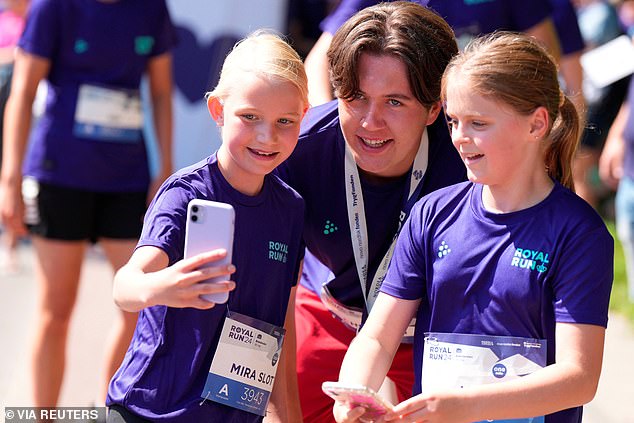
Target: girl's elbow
(586, 388)
(589, 390)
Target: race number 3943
(250, 395)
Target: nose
(265, 133)
(372, 117)
(458, 135)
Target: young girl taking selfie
(195, 360)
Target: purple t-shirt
(164, 371)
(467, 18)
(101, 44)
(512, 274)
(316, 171)
(567, 26)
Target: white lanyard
(357, 221)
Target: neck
(507, 199)
(375, 179)
(239, 180)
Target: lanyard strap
(357, 221)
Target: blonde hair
(514, 69)
(266, 54)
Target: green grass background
(619, 301)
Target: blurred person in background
(616, 169)
(598, 22)
(85, 176)
(467, 21)
(12, 13)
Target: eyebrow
(249, 109)
(399, 96)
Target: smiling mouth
(262, 153)
(472, 157)
(374, 143)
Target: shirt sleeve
(583, 281)
(565, 20)
(41, 35)
(164, 222)
(166, 37)
(527, 14)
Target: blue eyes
(251, 118)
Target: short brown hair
(414, 34)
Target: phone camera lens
(194, 218)
(194, 209)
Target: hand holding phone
(210, 225)
(358, 396)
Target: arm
(611, 160)
(316, 64)
(284, 405)
(572, 73)
(29, 70)
(160, 81)
(146, 280)
(370, 354)
(576, 373)
(546, 34)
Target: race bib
(243, 369)
(105, 114)
(459, 360)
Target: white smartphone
(210, 225)
(358, 396)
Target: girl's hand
(344, 414)
(12, 207)
(442, 407)
(181, 284)
(611, 163)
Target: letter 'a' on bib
(242, 372)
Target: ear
(216, 109)
(539, 123)
(434, 111)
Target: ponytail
(562, 146)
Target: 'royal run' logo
(278, 251)
(530, 259)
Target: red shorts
(322, 342)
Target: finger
(344, 414)
(201, 259)
(201, 304)
(354, 414)
(407, 407)
(206, 273)
(214, 287)
(420, 416)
